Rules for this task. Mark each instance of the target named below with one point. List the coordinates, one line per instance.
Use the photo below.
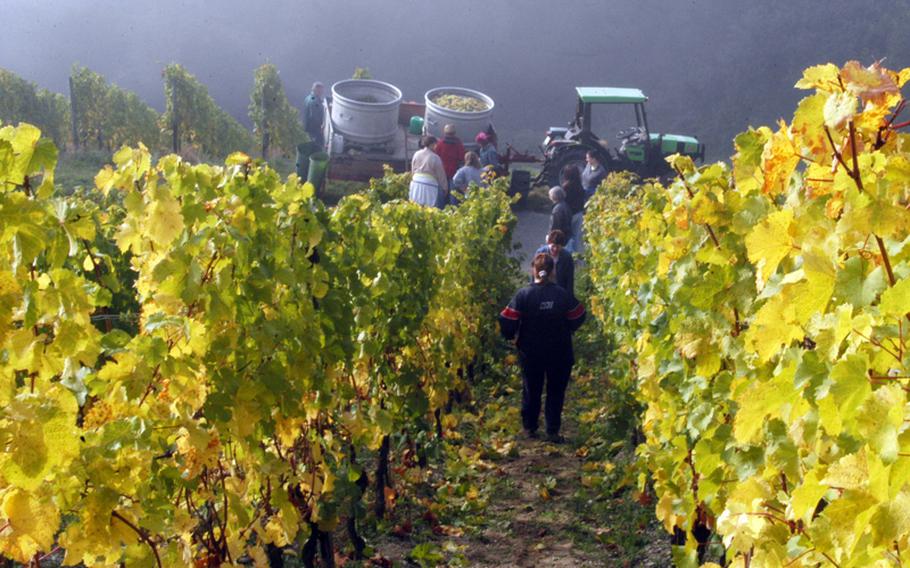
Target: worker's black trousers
(537, 372)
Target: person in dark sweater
(561, 218)
(314, 114)
(564, 264)
(543, 317)
(593, 175)
(575, 198)
(575, 193)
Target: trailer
(358, 162)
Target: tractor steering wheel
(629, 132)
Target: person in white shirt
(428, 177)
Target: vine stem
(829, 559)
(854, 173)
(49, 554)
(885, 259)
(108, 326)
(143, 536)
(682, 178)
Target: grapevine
(279, 344)
(763, 309)
(275, 122)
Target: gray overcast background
(710, 67)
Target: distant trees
(24, 101)
(276, 123)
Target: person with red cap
(488, 154)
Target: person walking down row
(575, 198)
(592, 176)
(543, 316)
(563, 263)
(428, 178)
(314, 114)
(469, 173)
(561, 216)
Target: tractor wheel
(572, 157)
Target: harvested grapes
(460, 103)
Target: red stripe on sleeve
(577, 312)
(510, 313)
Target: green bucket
(319, 163)
(416, 125)
(304, 151)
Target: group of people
(442, 167)
(543, 315)
(439, 168)
(570, 197)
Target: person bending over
(543, 317)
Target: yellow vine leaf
(769, 243)
(165, 220)
(892, 519)
(895, 301)
(747, 160)
(821, 77)
(33, 522)
(759, 401)
(849, 472)
(779, 160)
(850, 385)
(872, 83)
(42, 440)
(808, 129)
(805, 497)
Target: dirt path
(533, 516)
(501, 500)
(530, 233)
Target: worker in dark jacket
(543, 316)
(314, 114)
(575, 198)
(593, 174)
(564, 263)
(561, 217)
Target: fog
(710, 67)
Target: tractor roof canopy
(610, 95)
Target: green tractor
(638, 150)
